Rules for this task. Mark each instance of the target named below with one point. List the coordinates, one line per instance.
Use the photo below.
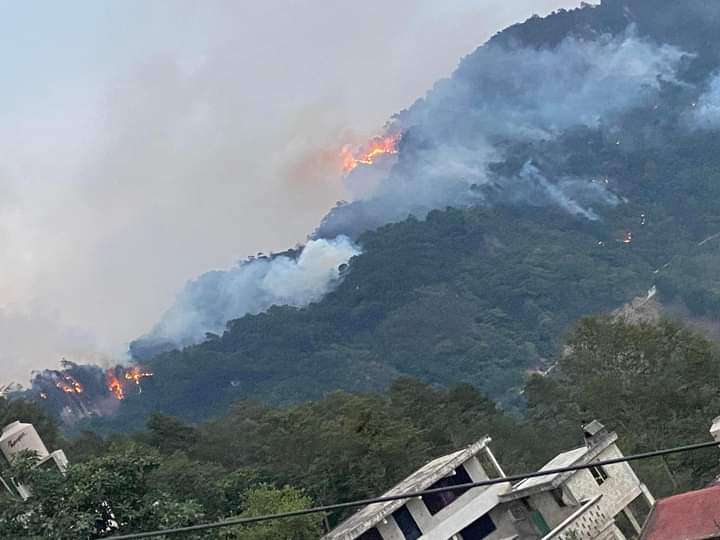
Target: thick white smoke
(536, 93)
(207, 303)
(502, 95)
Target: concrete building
(600, 503)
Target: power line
(414, 494)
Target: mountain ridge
(521, 200)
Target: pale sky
(144, 142)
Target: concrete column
(494, 461)
(389, 530)
(648, 496)
(420, 514)
(631, 518)
(715, 429)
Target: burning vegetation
(370, 153)
(119, 378)
(79, 391)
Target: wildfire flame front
(377, 147)
(118, 378)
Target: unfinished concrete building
(600, 503)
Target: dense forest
(261, 459)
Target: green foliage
(346, 446)
(78, 505)
(168, 434)
(142, 490)
(263, 500)
(28, 411)
(655, 384)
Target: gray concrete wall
(620, 488)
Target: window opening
(479, 529)
(407, 523)
(437, 501)
(599, 474)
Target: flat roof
(421, 479)
(566, 459)
(577, 456)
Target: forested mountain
(568, 165)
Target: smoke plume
(502, 95)
(497, 97)
(166, 138)
(207, 303)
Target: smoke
(207, 303)
(706, 113)
(501, 96)
(163, 139)
(497, 97)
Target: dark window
(623, 523)
(479, 529)
(437, 501)
(372, 534)
(407, 524)
(599, 474)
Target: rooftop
(578, 456)
(420, 480)
(690, 516)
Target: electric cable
(410, 495)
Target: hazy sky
(143, 142)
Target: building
(441, 515)
(691, 516)
(600, 503)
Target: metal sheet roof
(690, 516)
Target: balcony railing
(588, 521)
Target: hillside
(566, 167)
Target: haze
(143, 143)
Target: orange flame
(377, 147)
(117, 384)
(70, 385)
(136, 374)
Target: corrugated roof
(690, 516)
(421, 479)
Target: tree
(82, 504)
(266, 499)
(655, 384)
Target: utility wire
(414, 494)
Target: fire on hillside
(80, 391)
(371, 152)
